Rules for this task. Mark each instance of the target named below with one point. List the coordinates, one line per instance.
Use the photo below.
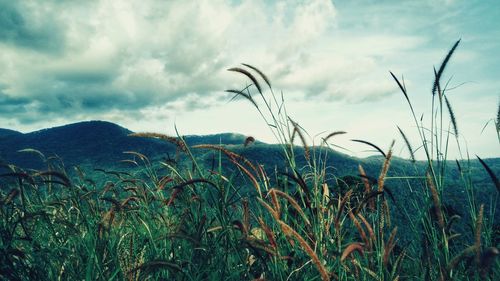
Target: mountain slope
(96, 143)
(8, 133)
(101, 144)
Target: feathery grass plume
(369, 198)
(355, 246)
(140, 155)
(367, 270)
(333, 134)
(127, 200)
(438, 87)
(498, 118)
(257, 244)
(437, 203)
(9, 197)
(246, 213)
(297, 129)
(372, 145)
(249, 75)
(173, 196)
(385, 169)
(269, 233)
(493, 177)
(274, 200)
(302, 184)
(458, 166)
(263, 176)
(262, 75)
(124, 254)
(386, 212)
(292, 138)
(292, 202)
(442, 67)
(403, 89)
(381, 224)
(397, 264)
(215, 228)
(452, 116)
(108, 218)
(163, 182)
(243, 94)
(64, 179)
(20, 176)
(305, 246)
(149, 267)
(454, 262)
(230, 154)
(367, 185)
(257, 233)
(326, 192)
(270, 209)
(360, 229)
(487, 259)
(389, 246)
(451, 220)
(34, 151)
(240, 226)
(192, 182)
(178, 188)
(113, 201)
(477, 233)
(370, 230)
(341, 208)
(180, 144)
(249, 175)
(408, 145)
(114, 173)
(248, 141)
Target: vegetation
(210, 213)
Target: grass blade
(372, 145)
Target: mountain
(96, 143)
(101, 144)
(8, 133)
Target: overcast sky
(149, 65)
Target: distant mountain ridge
(91, 142)
(101, 144)
(7, 133)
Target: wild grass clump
(239, 220)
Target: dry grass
(437, 202)
(305, 246)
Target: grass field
(170, 222)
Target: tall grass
(238, 220)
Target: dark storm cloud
(6, 100)
(63, 98)
(10, 105)
(21, 28)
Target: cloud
(24, 24)
(128, 55)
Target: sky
(154, 65)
